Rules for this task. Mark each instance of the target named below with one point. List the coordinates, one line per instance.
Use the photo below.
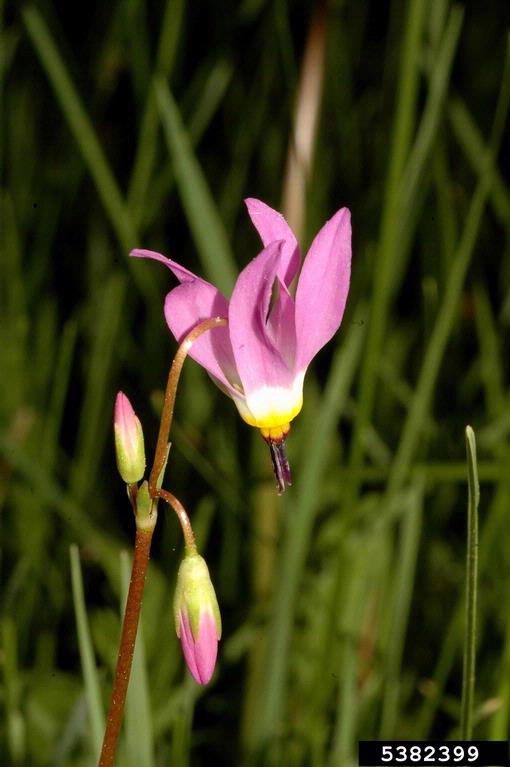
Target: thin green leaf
(469, 664)
(85, 136)
(88, 665)
(198, 202)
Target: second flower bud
(129, 444)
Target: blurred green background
(132, 123)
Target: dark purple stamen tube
(281, 466)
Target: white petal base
(272, 406)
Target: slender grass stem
(468, 673)
(170, 35)
(81, 126)
(402, 134)
(405, 569)
(205, 222)
(92, 687)
(304, 134)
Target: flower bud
(129, 445)
(197, 617)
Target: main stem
(143, 546)
(127, 645)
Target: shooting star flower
(274, 331)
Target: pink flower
(197, 617)
(274, 331)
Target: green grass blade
(86, 139)
(80, 124)
(364, 576)
(96, 413)
(211, 95)
(447, 313)
(493, 529)
(203, 218)
(131, 19)
(92, 687)
(491, 367)
(14, 723)
(53, 420)
(382, 283)
(206, 101)
(139, 729)
(49, 492)
(419, 155)
(470, 139)
(447, 223)
(183, 724)
(406, 554)
(147, 143)
(468, 671)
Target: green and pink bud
(129, 445)
(197, 617)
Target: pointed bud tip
(129, 443)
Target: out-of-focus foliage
(130, 124)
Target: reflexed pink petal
(272, 227)
(322, 288)
(257, 361)
(185, 307)
(200, 653)
(182, 274)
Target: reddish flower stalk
(171, 389)
(187, 530)
(144, 531)
(127, 646)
